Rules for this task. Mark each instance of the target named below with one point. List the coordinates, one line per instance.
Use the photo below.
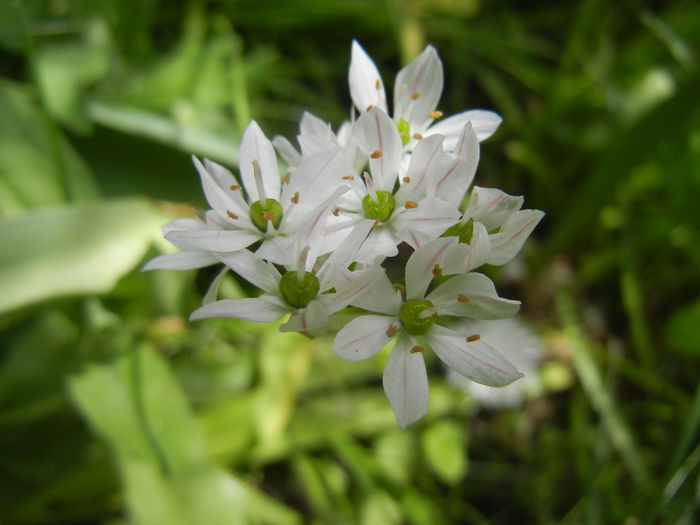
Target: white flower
(417, 91)
(516, 341)
(415, 322)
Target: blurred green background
(114, 409)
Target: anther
(285, 178)
(391, 331)
(348, 177)
(417, 348)
(435, 114)
(336, 212)
(231, 215)
(415, 95)
(437, 271)
(377, 222)
(473, 338)
(369, 107)
(378, 84)
(406, 179)
(295, 198)
(462, 298)
(417, 136)
(399, 287)
(234, 187)
(410, 204)
(377, 153)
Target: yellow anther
(417, 348)
(437, 271)
(369, 107)
(473, 338)
(391, 331)
(435, 114)
(377, 153)
(462, 298)
(348, 177)
(231, 215)
(399, 287)
(417, 136)
(406, 179)
(415, 95)
(295, 198)
(336, 212)
(410, 204)
(377, 222)
(378, 84)
(286, 177)
(234, 187)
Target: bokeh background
(115, 410)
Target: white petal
(314, 316)
(431, 218)
(316, 177)
(377, 136)
(351, 290)
(286, 150)
(344, 255)
(380, 297)
(474, 360)
(277, 250)
(420, 266)
(364, 78)
(219, 199)
(187, 260)
(464, 258)
(454, 174)
(255, 146)
(380, 243)
(406, 383)
(263, 309)
(482, 299)
(363, 337)
(419, 169)
(216, 241)
(514, 232)
(213, 291)
(485, 123)
(491, 206)
(260, 273)
(418, 89)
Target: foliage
(114, 409)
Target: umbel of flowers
(319, 236)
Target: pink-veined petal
(485, 124)
(350, 289)
(419, 169)
(514, 232)
(187, 260)
(314, 316)
(491, 206)
(366, 86)
(364, 336)
(255, 146)
(472, 295)
(287, 150)
(377, 136)
(215, 241)
(406, 383)
(430, 219)
(380, 243)
(380, 297)
(263, 309)
(260, 273)
(421, 265)
(418, 89)
(315, 178)
(464, 258)
(344, 254)
(219, 199)
(474, 359)
(455, 173)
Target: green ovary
(262, 212)
(410, 317)
(299, 293)
(380, 209)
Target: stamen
(399, 287)
(473, 338)
(417, 136)
(295, 198)
(406, 179)
(391, 331)
(231, 215)
(336, 212)
(348, 177)
(415, 95)
(378, 84)
(410, 204)
(376, 154)
(234, 187)
(435, 114)
(370, 185)
(285, 178)
(462, 298)
(369, 107)
(376, 223)
(258, 181)
(437, 270)
(417, 348)
(301, 263)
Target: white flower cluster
(320, 237)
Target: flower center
(412, 320)
(263, 211)
(463, 231)
(382, 208)
(299, 292)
